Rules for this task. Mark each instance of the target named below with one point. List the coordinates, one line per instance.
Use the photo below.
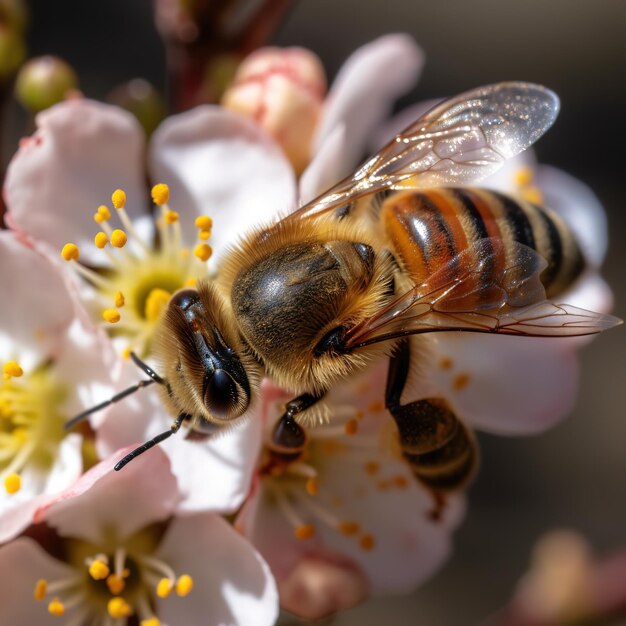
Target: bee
(398, 248)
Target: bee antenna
(154, 378)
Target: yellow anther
(70, 252)
(203, 251)
(41, 588)
(191, 282)
(115, 584)
(204, 234)
(119, 299)
(524, 176)
(118, 607)
(151, 621)
(126, 353)
(104, 213)
(366, 542)
(204, 222)
(372, 467)
(56, 608)
(101, 239)
(170, 217)
(400, 481)
(184, 585)
(461, 381)
(97, 218)
(351, 426)
(11, 369)
(306, 531)
(376, 406)
(349, 529)
(118, 198)
(160, 194)
(533, 194)
(312, 486)
(155, 303)
(111, 315)
(118, 238)
(98, 569)
(446, 363)
(12, 483)
(164, 587)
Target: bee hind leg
(440, 449)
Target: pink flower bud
(283, 91)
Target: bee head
(209, 371)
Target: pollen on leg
(184, 585)
(160, 194)
(11, 369)
(56, 608)
(203, 251)
(70, 252)
(305, 531)
(164, 587)
(112, 316)
(41, 589)
(118, 198)
(118, 238)
(118, 607)
(12, 483)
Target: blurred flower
(125, 555)
(51, 369)
(345, 519)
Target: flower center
(114, 586)
(31, 424)
(141, 275)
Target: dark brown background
(573, 476)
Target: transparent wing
(480, 291)
(460, 141)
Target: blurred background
(575, 475)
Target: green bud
(44, 81)
(12, 51)
(140, 98)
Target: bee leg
(440, 449)
(288, 437)
(174, 428)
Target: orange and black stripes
(429, 228)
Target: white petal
(39, 309)
(221, 164)
(365, 89)
(579, 207)
(142, 493)
(82, 151)
(507, 385)
(22, 563)
(323, 170)
(232, 584)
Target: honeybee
(398, 248)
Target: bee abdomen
(429, 228)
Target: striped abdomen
(428, 228)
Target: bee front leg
(440, 449)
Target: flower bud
(44, 81)
(283, 91)
(141, 99)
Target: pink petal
(506, 385)
(40, 308)
(579, 207)
(142, 493)
(232, 584)
(81, 152)
(22, 563)
(363, 93)
(221, 164)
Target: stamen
(155, 303)
(99, 570)
(11, 369)
(41, 589)
(312, 486)
(118, 607)
(119, 299)
(12, 483)
(204, 222)
(204, 234)
(170, 217)
(160, 194)
(118, 238)
(184, 585)
(115, 584)
(351, 427)
(70, 252)
(151, 621)
(164, 587)
(533, 194)
(349, 529)
(111, 315)
(306, 531)
(101, 239)
(56, 608)
(102, 214)
(524, 176)
(203, 251)
(118, 198)
(366, 542)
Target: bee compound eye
(185, 298)
(222, 395)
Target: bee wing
(459, 141)
(480, 291)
